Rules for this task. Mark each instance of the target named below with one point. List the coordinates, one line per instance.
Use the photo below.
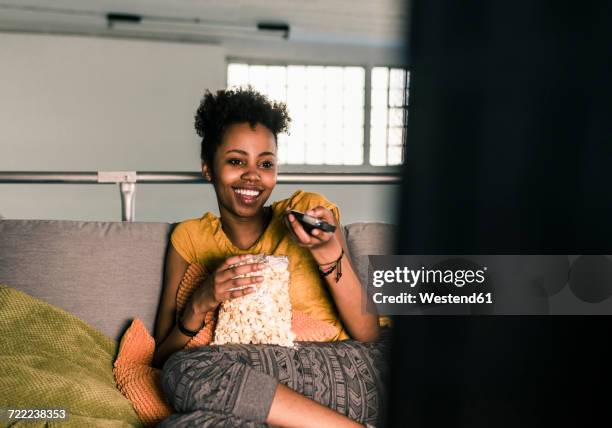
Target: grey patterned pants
(233, 385)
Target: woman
(251, 385)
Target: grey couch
(108, 273)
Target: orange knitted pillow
(136, 379)
(140, 383)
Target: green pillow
(51, 359)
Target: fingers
(239, 283)
(239, 287)
(230, 280)
(232, 261)
(316, 236)
(288, 219)
(322, 213)
(241, 292)
(233, 271)
(298, 231)
(321, 235)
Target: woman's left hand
(323, 245)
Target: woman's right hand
(223, 285)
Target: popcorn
(263, 316)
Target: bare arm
(348, 294)
(168, 338)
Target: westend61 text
(432, 298)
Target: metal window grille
(389, 115)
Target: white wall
(92, 103)
(71, 103)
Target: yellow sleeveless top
(203, 240)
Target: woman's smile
(247, 195)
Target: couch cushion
(369, 238)
(106, 273)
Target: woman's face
(244, 169)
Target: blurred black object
(509, 151)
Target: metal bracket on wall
(127, 188)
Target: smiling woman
(243, 172)
(257, 384)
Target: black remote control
(309, 223)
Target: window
(328, 108)
(388, 115)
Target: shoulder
(191, 225)
(186, 236)
(301, 200)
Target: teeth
(247, 192)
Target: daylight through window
(327, 105)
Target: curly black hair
(230, 106)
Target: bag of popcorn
(263, 316)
